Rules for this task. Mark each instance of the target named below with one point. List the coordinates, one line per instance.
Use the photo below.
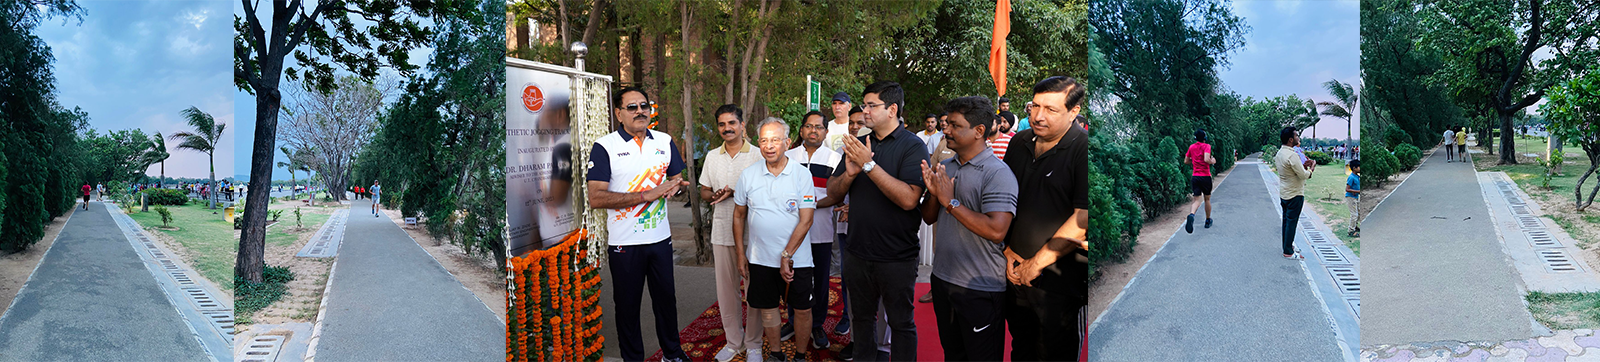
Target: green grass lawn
(208, 238)
(284, 232)
(1529, 175)
(1565, 310)
(1325, 193)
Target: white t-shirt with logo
(774, 203)
(632, 165)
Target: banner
(539, 202)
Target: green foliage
(436, 146)
(250, 297)
(1320, 157)
(166, 215)
(166, 197)
(1394, 136)
(38, 137)
(1269, 151)
(1574, 114)
(297, 217)
(1377, 164)
(1551, 164)
(275, 214)
(1115, 216)
(1408, 156)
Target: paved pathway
(1221, 294)
(93, 299)
(1436, 270)
(388, 300)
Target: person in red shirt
(1199, 156)
(86, 196)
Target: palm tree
(207, 133)
(1346, 99)
(158, 153)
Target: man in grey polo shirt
(973, 197)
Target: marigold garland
(559, 282)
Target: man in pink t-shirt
(1199, 156)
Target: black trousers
(971, 322)
(1045, 319)
(895, 284)
(822, 270)
(1291, 217)
(633, 267)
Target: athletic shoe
(726, 354)
(1208, 223)
(848, 353)
(843, 327)
(1189, 226)
(752, 355)
(926, 298)
(819, 339)
(778, 356)
(787, 331)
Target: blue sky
(1295, 46)
(244, 104)
(139, 64)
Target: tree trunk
(727, 58)
(252, 240)
(757, 49)
(561, 6)
(211, 198)
(595, 11)
(1577, 190)
(702, 244)
(1508, 147)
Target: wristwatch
(869, 166)
(786, 254)
(953, 204)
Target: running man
(1199, 156)
(374, 198)
(1293, 170)
(1449, 145)
(85, 196)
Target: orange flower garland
(561, 281)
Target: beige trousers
(1355, 211)
(729, 303)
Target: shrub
(252, 297)
(166, 197)
(166, 215)
(1268, 151)
(1408, 156)
(297, 217)
(1320, 157)
(275, 214)
(1393, 136)
(1375, 164)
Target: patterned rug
(703, 338)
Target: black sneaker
(777, 356)
(819, 339)
(1208, 223)
(787, 332)
(843, 327)
(848, 353)
(1189, 226)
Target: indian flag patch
(809, 199)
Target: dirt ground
(15, 268)
(481, 275)
(1152, 236)
(311, 274)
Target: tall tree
(1345, 98)
(333, 126)
(1574, 114)
(1165, 56)
(321, 35)
(158, 153)
(204, 138)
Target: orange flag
(997, 46)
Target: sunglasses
(635, 107)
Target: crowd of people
(1008, 206)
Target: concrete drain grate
(222, 320)
(1557, 261)
(1346, 278)
(1355, 305)
(1529, 222)
(263, 348)
(1541, 238)
(201, 299)
(1330, 255)
(1317, 237)
(1520, 210)
(325, 243)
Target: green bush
(1393, 136)
(1269, 151)
(275, 214)
(166, 215)
(251, 297)
(1408, 156)
(1320, 157)
(166, 197)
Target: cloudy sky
(244, 104)
(1295, 46)
(139, 64)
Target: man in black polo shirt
(1046, 247)
(882, 174)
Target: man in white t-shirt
(631, 173)
(839, 127)
(1449, 145)
(820, 161)
(776, 200)
(722, 169)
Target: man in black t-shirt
(882, 174)
(1046, 247)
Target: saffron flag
(997, 46)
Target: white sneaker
(726, 354)
(754, 355)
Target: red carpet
(703, 337)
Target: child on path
(1352, 197)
